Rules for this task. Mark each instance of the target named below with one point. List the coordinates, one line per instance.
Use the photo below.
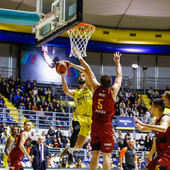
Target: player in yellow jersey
(9, 145)
(81, 123)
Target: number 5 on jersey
(100, 106)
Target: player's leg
(106, 161)
(94, 159)
(80, 142)
(73, 139)
(83, 134)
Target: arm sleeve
(123, 151)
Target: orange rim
(81, 25)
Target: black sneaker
(70, 159)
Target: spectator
(2, 128)
(48, 140)
(54, 103)
(121, 144)
(56, 159)
(126, 141)
(50, 162)
(28, 89)
(35, 91)
(41, 92)
(17, 98)
(129, 113)
(55, 141)
(17, 82)
(48, 91)
(22, 103)
(34, 106)
(79, 164)
(119, 139)
(128, 93)
(141, 164)
(2, 102)
(122, 105)
(136, 145)
(43, 134)
(58, 133)
(32, 136)
(34, 83)
(51, 131)
(132, 98)
(148, 142)
(142, 144)
(29, 82)
(63, 164)
(150, 92)
(136, 113)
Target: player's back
(163, 141)
(103, 106)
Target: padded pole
(18, 17)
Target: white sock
(70, 150)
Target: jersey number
(100, 106)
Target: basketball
(61, 67)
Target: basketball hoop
(79, 37)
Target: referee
(128, 159)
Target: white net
(79, 37)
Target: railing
(141, 83)
(40, 119)
(6, 72)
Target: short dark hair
(167, 94)
(105, 81)
(160, 104)
(26, 122)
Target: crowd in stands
(29, 96)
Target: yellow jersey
(83, 99)
(167, 110)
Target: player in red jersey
(19, 150)
(162, 132)
(104, 98)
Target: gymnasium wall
(8, 60)
(158, 66)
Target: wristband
(79, 57)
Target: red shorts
(15, 163)
(159, 163)
(102, 138)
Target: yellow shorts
(85, 129)
(85, 125)
(5, 160)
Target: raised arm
(164, 124)
(68, 91)
(117, 84)
(89, 75)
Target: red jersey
(163, 141)
(16, 152)
(103, 106)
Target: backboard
(63, 15)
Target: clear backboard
(57, 17)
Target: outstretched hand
(76, 52)
(138, 121)
(116, 57)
